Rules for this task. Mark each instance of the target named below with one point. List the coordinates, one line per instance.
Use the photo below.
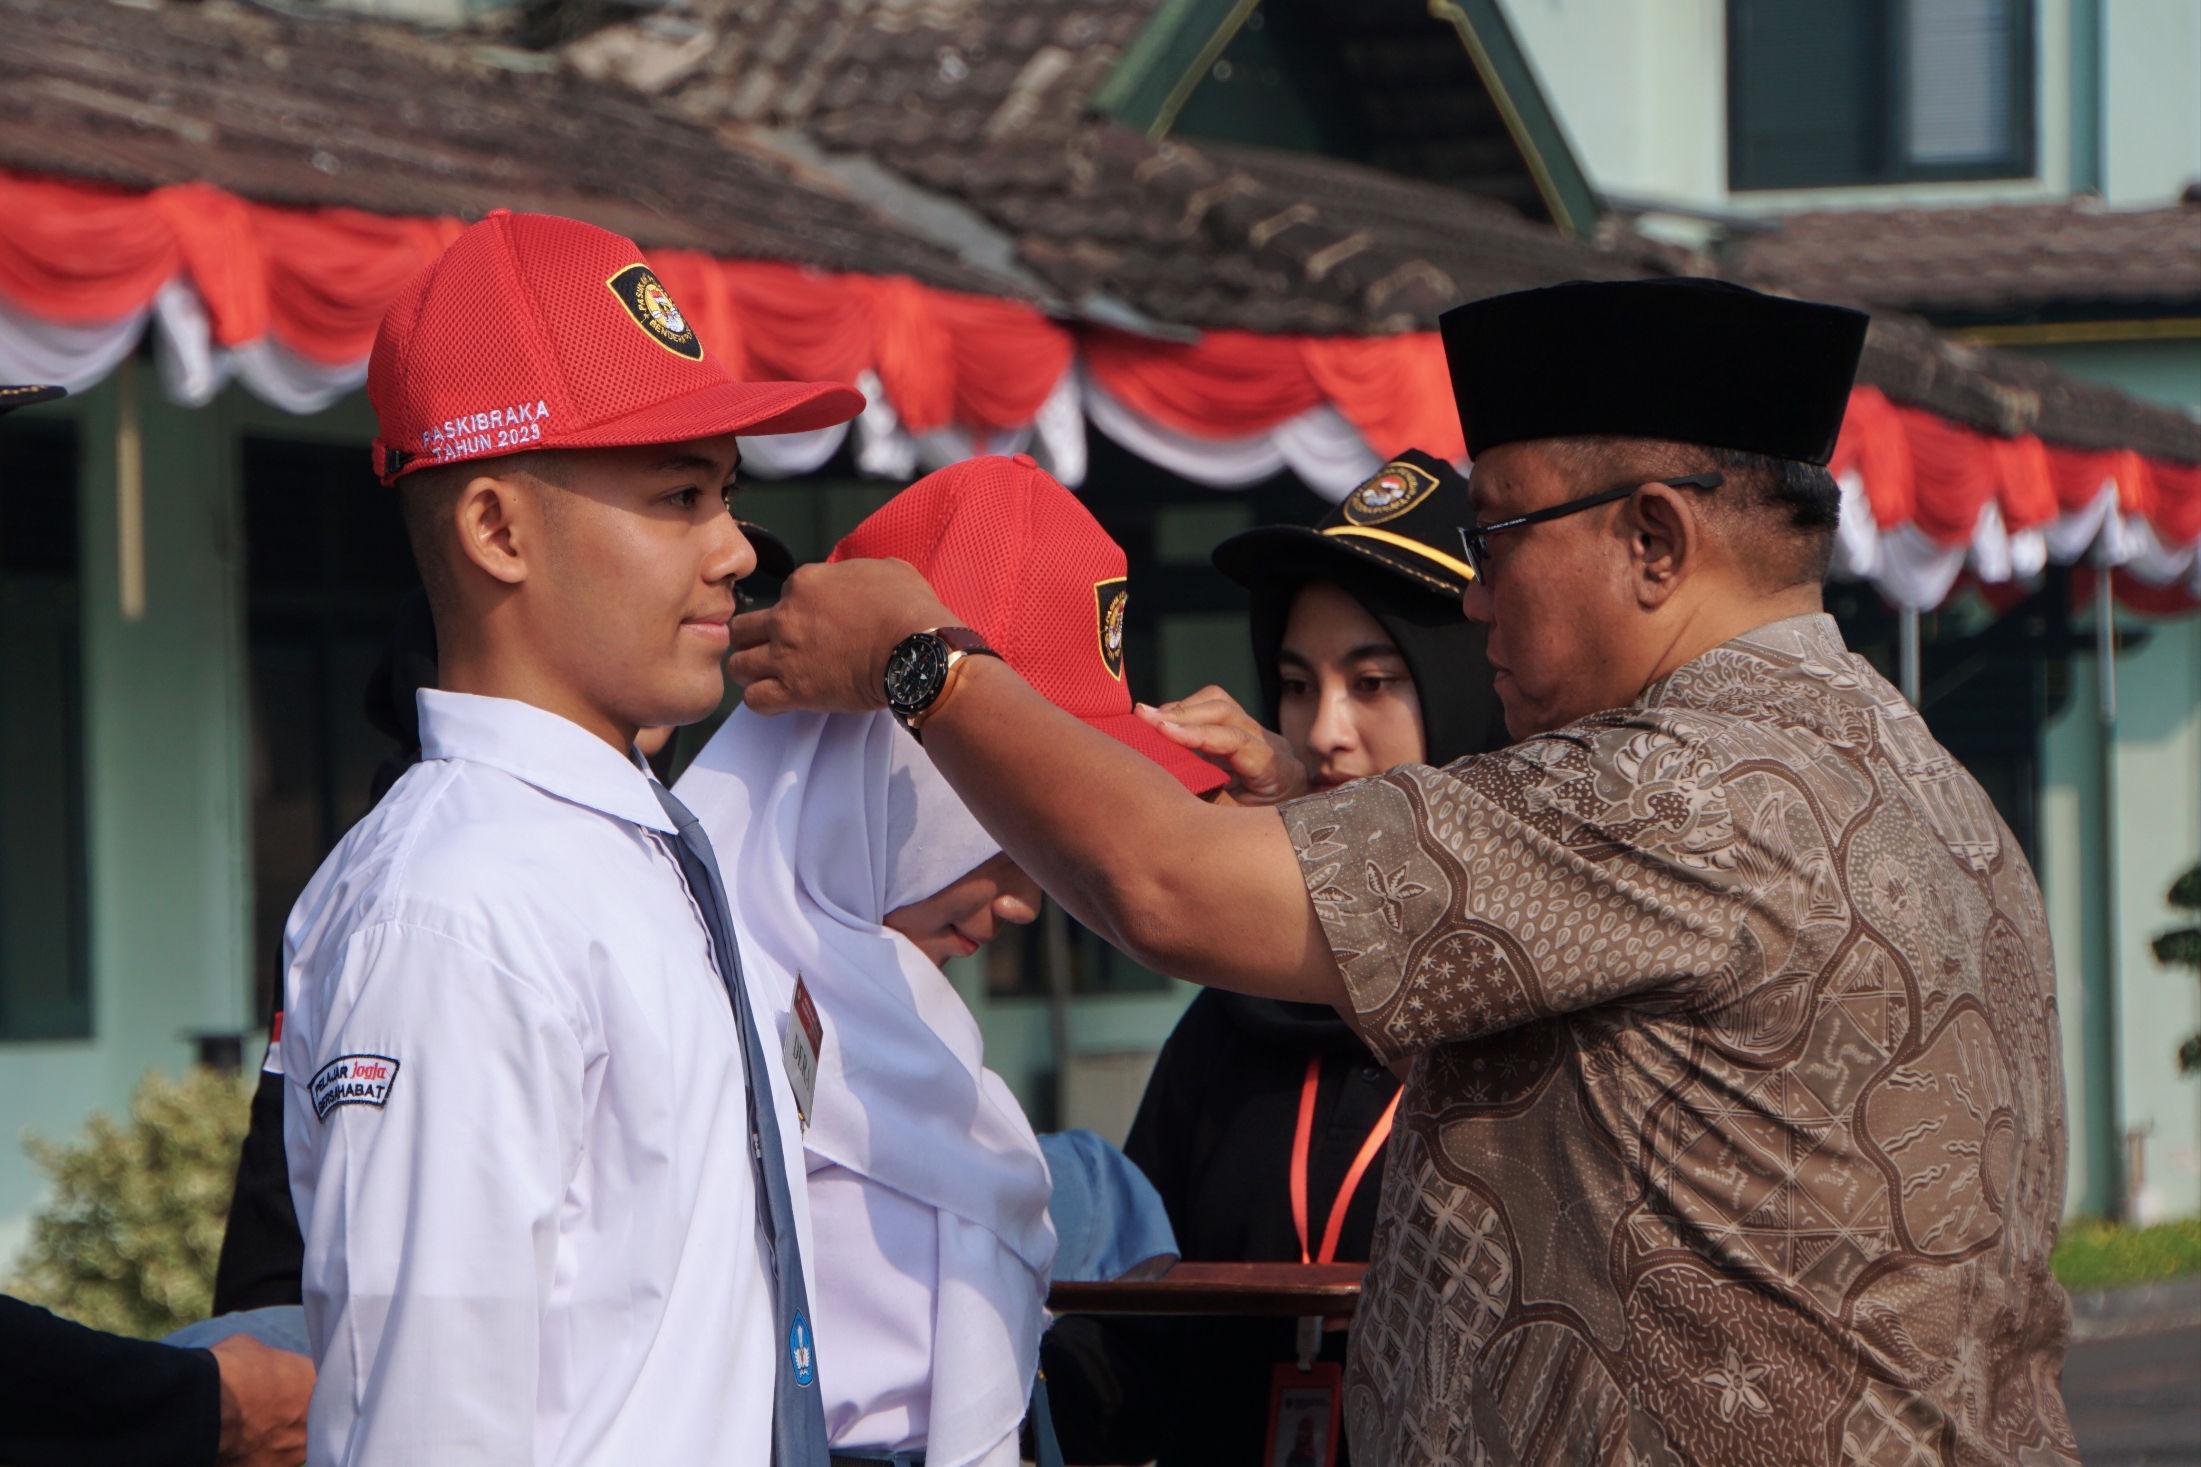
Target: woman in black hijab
(1366, 661)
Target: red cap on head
(1025, 566)
(535, 332)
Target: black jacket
(263, 1258)
(1214, 1135)
(75, 1397)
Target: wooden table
(1271, 1289)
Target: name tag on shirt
(1304, 1406)
(805, 1037)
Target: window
(1826, 92)
(326, 565)
(45, 980)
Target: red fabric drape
(1874, 446)
(1955, 474)
(2176, 514)
(331, 274)
(2025, 493)
(318, 281)
(1007, 358)
(799, 324)
(80, 255)
(215, 235)
(1395, 389)
(1231, 384)
(913, 350)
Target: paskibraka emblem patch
(1108, 603)
(1395, 489)
(651, 305)
(352, 1079)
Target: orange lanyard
(1302, 1138)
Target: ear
(1666, 539)
(496, 520)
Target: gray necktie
(798, 1413)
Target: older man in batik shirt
(1734, 1130)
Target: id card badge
(805, 1038)
(1304, 1407)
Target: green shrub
(2181, 948)
(129, 1240)
(2094, 1254)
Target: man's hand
(264, 1396)
(1263, 770)
(824, 647)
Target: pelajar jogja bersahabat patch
(352, 1079)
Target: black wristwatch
(922, 668)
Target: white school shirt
(517, 1125)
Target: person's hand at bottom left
(264, 1396)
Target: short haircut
(426, 498)
(1786, 510)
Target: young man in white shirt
(536, 1143)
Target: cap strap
(1459, 568)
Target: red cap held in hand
(539, 332)
(1023, 564)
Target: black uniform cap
(1695, 361)
(1400, 521)
(26, 394)
(1384, 546)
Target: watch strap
(965, 641)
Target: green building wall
(2135, 1122)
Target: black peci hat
(1695, 361)
(1384, 547)
(1399, 521)
(27, 395)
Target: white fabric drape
(1319, 445)
(823, 824)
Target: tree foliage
(129, 1240)
(2181, 948)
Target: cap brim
(1193, 772)
(20, 395)
(774, 560)
(754, 408)
(1298, 553)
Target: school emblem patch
(1108, 603)
(801, 1353)
(1395, 489)
(651, 305)
(352, 1079)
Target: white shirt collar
(554, 754)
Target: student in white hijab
(928, 1191)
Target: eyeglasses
(1475, 539)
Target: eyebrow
(688, 463)
(1370, 649)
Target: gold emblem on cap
(651, 305)
(1396, 488)
(1108, 606)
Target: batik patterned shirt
(1734, 1129)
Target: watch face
(916, 668)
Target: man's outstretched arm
(1209, 893)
